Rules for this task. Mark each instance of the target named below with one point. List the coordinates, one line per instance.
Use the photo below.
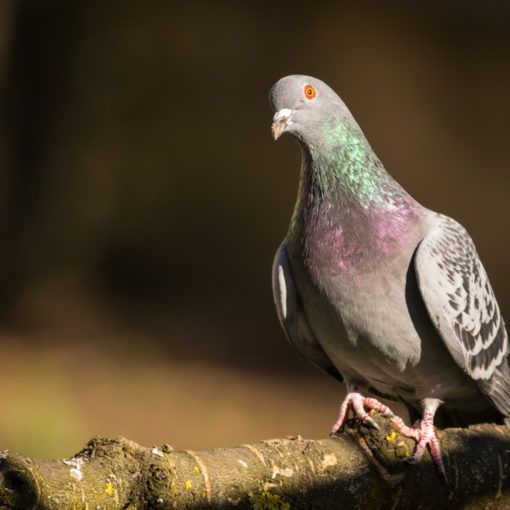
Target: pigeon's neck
(348, 205)
(339, 165)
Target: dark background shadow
(142, 199)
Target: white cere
(282, 115)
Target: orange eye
(309, 92)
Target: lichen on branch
(361, 468)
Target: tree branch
(361, 468)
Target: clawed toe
(424, 436)
(365, 419)
(369, 421)
(358, 403)
(437, 461)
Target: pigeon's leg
(358, 403)
(426, 435)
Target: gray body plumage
(397, 301)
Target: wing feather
(461, 303)
(292, 317)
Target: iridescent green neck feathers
(339, 163)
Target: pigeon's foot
(425, 435)
(405, 430)
(358, 403)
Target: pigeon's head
(301, 104)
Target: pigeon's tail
(497, 389)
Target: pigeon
(376, 289)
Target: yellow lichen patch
(267, 501)
(187, 484)
(109, 488)
(391, 437)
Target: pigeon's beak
(281, 120)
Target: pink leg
(427, 436)
(358, 402)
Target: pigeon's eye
(309, 92)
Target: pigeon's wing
(292, 317)
(461, 303)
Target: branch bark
(361, 468)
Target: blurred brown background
(142, 199)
